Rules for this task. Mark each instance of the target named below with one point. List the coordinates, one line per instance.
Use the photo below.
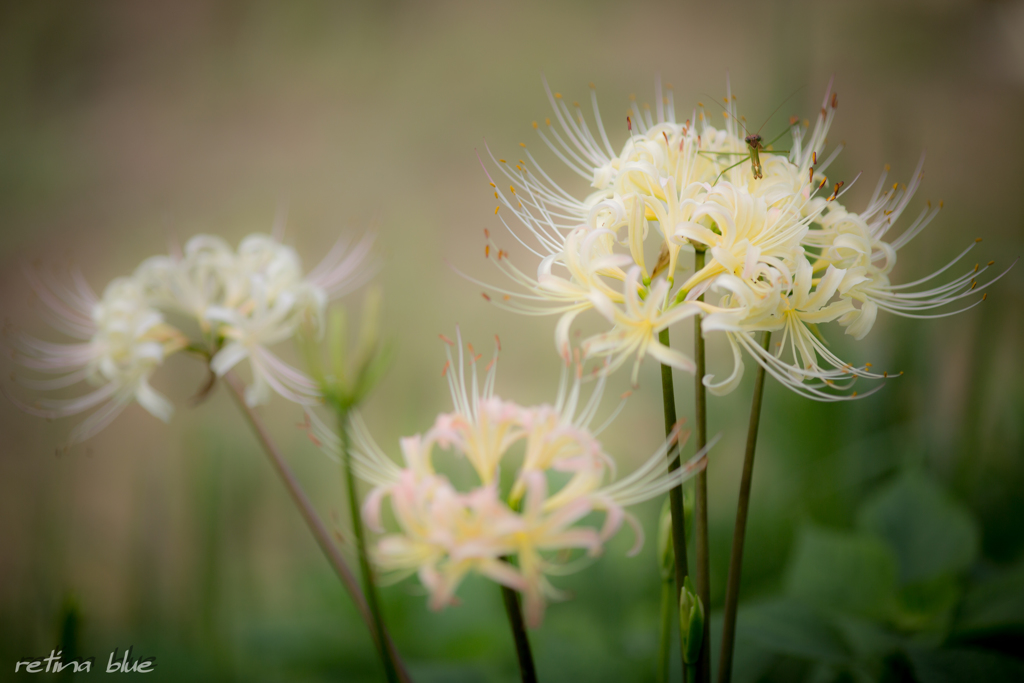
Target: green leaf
(928, 604)
(790, 628)
(956, 666)
(930, 532)
(994, 604)
(842, 571)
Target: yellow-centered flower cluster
(781, 252)
(517, 537)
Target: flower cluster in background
(232, 306)
(781, 253)
(517, 537)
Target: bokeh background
(126, 127)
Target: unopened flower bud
(691, 622)
(666, 556)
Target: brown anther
(991, 263)
(576, 104)
(665, 135)
(885, 373)
(487, 233)
(833, 100)
(523, 145)
(806, 123)
(506, 297)
(887, 168)
(512, 188)
(547, 121)
(853, 395)
(496, 210)
(487, 251)
(867, 365)
(976, 265)
(558, 95)
(444, 370)
(626, 394)
(823, 112)
(497, 341)
(977, 240)
(502, 254)
(940, 204)
(810, 175)
(814, 158)
(984, 296)
(535, 126)
(495, 195)
(493, 185)
(629, 124)
(974, 283)
(446, 340)
(793, 120)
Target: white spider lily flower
(121, 341)
(795, 310)
(636, 326)
(588, 262)
(669, 180)
(249, 299)
(444, 533)
(868, 279)
(248, 332)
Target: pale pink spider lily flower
(121, 341)
(444, 534)
(557, 438)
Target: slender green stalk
(372, 599)
(668, 612)
(514, 611)
(313, 521)
(675, 495)
(732, 588)
(702, 572)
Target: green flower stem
(313, 521)
(700, 503)
(675, 495)
(513, 609)
(372, 599)
(668, 611)
(732, 589)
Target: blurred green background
(886, 536)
